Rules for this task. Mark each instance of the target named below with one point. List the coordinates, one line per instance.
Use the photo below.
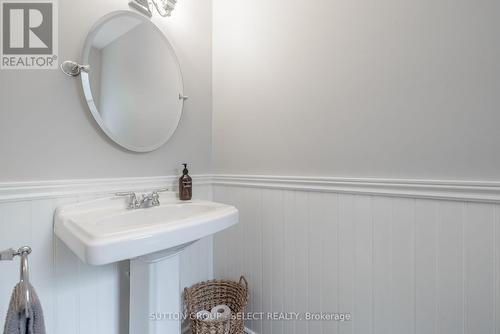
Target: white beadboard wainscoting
(78, 298)
(400, 256)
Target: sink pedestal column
(155, 294)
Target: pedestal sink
(104, 231)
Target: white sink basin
(105, 231)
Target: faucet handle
(133, 202)
(155, 197)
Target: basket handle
(244, 280)
(187, 296)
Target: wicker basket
(206, 295)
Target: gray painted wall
(357, 88)
(47, 132)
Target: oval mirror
(134, 84)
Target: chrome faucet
(146, 200)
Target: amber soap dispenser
(185, 185)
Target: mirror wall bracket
(73, 69)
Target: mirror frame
(88, 93)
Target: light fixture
(164, 7)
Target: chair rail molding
(32, 190)
(473, 191)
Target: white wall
(385, 89)
(47, 131)
(398, 89)
(360, 89)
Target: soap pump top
(185, 185)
